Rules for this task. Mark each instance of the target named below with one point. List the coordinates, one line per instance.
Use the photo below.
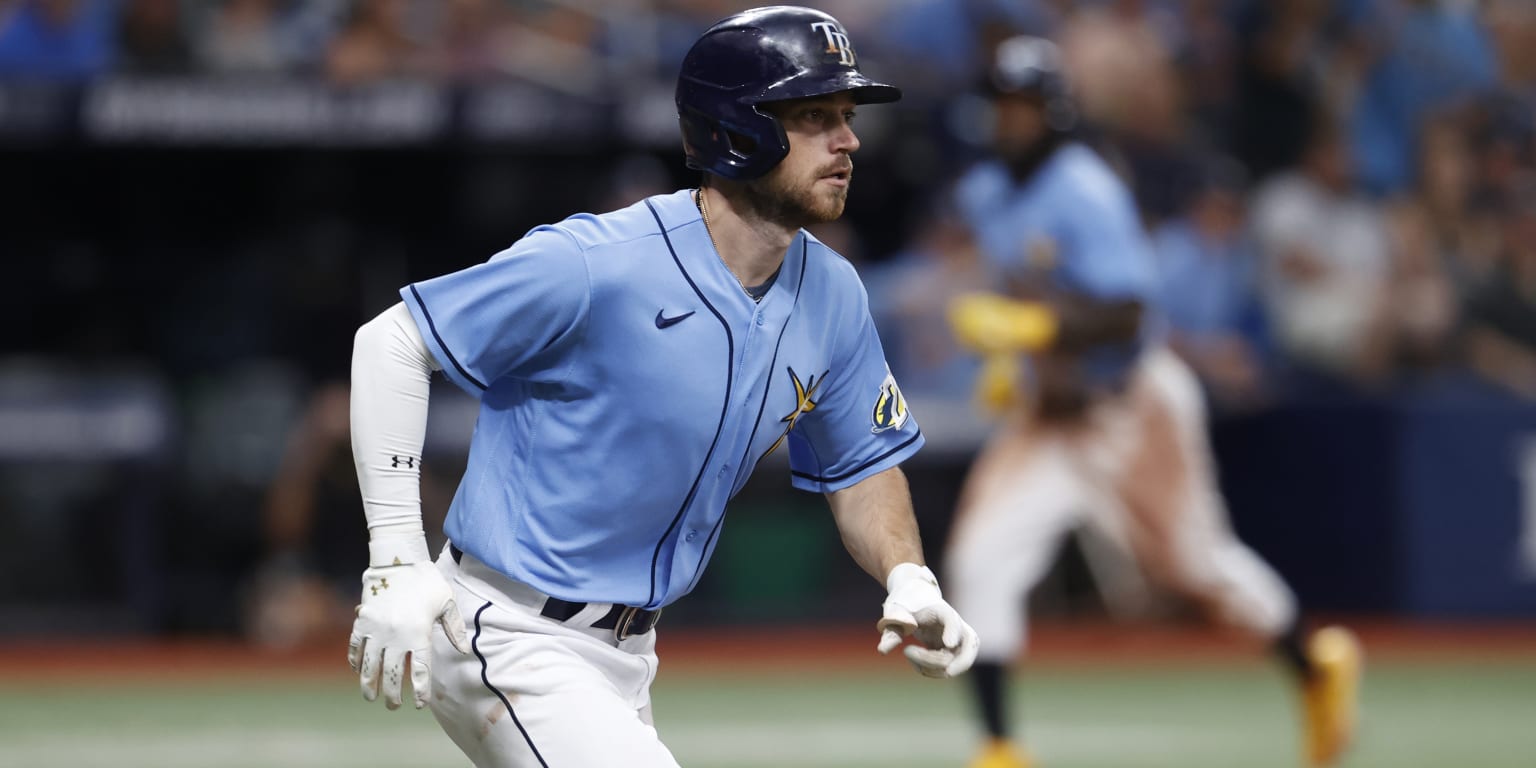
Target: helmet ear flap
(701, 138)
(742, 145)
(721, 148)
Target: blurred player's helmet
(1031, 66)
(761, 55)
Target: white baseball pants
(540, 693)
(1139, 472)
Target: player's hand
(988, 323)
(946, 646)
(392, 636)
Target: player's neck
(751, 246)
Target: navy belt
(624, 620)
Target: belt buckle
(626, 623)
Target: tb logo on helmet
(837, 42)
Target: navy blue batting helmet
(765, 54)
(1031, 66)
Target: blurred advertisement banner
(266, 112)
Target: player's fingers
(898, 619)
(355, 651)
(420, 663)
(393, 675)
(932, 662)
(889, 639)
(965, 655)
(453, 624)
(368, 672)
(952, 633)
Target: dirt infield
(748, 651)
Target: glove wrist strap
(906, 572)
(397, 545)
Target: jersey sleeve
(513, 315)
(1103, 249)
(860, 425)
(981, 197)
(977, 191)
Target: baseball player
(1105, 428)
(632, 369)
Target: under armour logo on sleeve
(408, 462)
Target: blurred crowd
(346, 40)
(571, 44)
(1341, 196)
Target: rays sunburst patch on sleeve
(890, 411)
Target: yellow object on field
(988, 323)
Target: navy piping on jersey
(485, 678)
(861, 467)
(730, 348)
(432, 326)
(773, 364)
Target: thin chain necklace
(698, 199)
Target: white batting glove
(946, 646)
(392, 636)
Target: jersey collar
(686, 229)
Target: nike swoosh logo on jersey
(664, 322)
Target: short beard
(791, 205)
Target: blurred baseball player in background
(632, 369)
(1103, 425)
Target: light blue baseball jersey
(1073, 219)
(1074, 224)
(628, 386)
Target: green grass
(1463, 715)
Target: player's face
(1019, 124)
(810, 185)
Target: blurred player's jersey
(628, 387)
(1070, 227)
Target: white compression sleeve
(391, 382)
